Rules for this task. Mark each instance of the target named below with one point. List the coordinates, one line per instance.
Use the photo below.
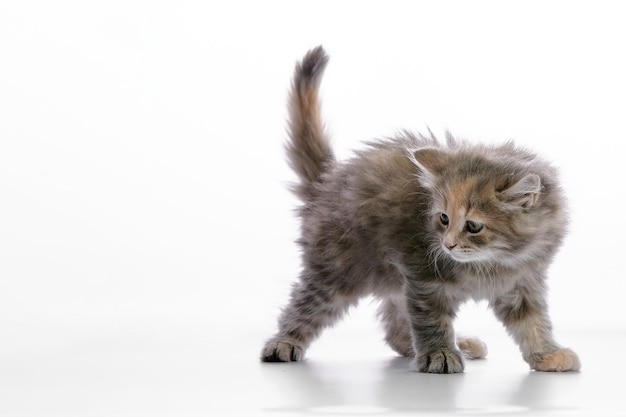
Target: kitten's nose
(450, 245)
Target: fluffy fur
(424, 226)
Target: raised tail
(308, 149)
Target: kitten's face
(476, 222)
(469, 224)
(480, 212)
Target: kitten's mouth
(461, 255)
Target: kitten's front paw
(444, 361)
(561, 360)
(282, 350)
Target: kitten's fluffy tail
(308, 148)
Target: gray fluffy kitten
(424, 227)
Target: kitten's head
(486, 208)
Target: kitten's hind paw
(280, 350)
(472, 348)
(444, 361)
(561, 360)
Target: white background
(146, 233)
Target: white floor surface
(186, 369)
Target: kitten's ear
(430, 161)
(525, 192)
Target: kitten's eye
(473, 227)
(443, 218)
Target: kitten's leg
(526, 318)
(395, 319)
(310, 309)
(431, 314)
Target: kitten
(424, 227)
